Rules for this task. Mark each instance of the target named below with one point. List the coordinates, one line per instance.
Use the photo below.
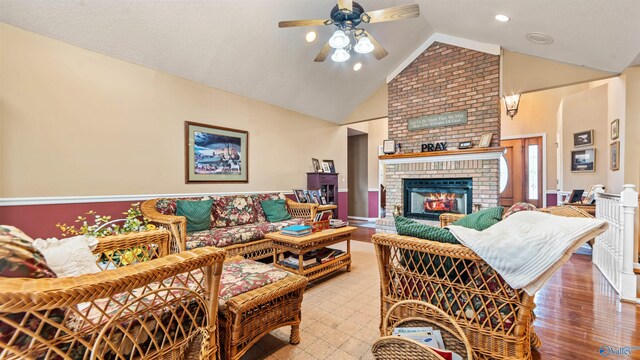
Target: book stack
(337, 223)
(312, 258)
(297, 230)
(429, 337)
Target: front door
(523, 158)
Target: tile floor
(340, 315)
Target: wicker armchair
(177, 225)
(497, 319)
(159, 307)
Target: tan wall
(525, 73)
(632, 127)
(584, 111)
(537, 114)
(75, 122)
(375, 107)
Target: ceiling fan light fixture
(364, 46)
(339, 40)
(311, 36)
(340, 55)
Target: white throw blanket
(527, 247)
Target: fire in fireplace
(428, 198)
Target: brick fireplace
(444, 79)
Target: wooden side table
(304, 244)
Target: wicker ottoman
(255, 299)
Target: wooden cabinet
(328, 185)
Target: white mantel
(450, 155)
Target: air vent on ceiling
(539, 38)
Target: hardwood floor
(577, 313)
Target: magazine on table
(429, 337)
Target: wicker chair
(496, 318)
(259, 249)
(159, 307)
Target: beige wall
(632, 127)
(375, 107)
(584, 111)
(75, 122)
(525, 73)
(537, 114)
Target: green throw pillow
(481, 220)
(198, 214)
(275, 210)
(409, 227)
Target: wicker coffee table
(304, 244)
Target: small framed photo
(316, 165)
(614, 156)
(576, 196)
(615, 129)
(300, 197)
(485, 140)
(315, 196)
(583, 160)
(325, 167)
(465, 144)
(332, 166)
(589, 199)
(583, 138)
(389, 146)
(307, 195)
(323, 200)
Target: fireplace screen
(428, 198)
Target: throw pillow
(482, 219)
(275, 210)
(198, 214)
(410, 227)
(69, 257)
(233, 210)
(260, 217)
(517, 207)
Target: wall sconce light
(511, 103)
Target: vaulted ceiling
(236, 45)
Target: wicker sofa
(497, 319)
(158, 307)
(245, 237)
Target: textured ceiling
(236, 46)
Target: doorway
(521, 170)
(357, 167)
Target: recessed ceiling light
(357, 66)
(539, 38)
(311, 36)
(503, 18)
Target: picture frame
(299, 194)
(325, 167)
(615, 129)
(614, 156)
(589, 199)
(576, 196)
(583, 138)
(485, 140)
(307, 195)
(389, 147)
(316, 165)
(215, 154)
(465, 144)
(323, 200)
(583, 160)
(332, 166)
(315, 197)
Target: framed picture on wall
(614, 156)
(615, 129)
(215, 154)
(583, 160)
(583, 138)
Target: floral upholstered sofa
(238, 223)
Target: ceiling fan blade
(378, 51)
(345, 4)
(322, 55)
(293, 23)
(391, 14)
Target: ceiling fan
(347, 16)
